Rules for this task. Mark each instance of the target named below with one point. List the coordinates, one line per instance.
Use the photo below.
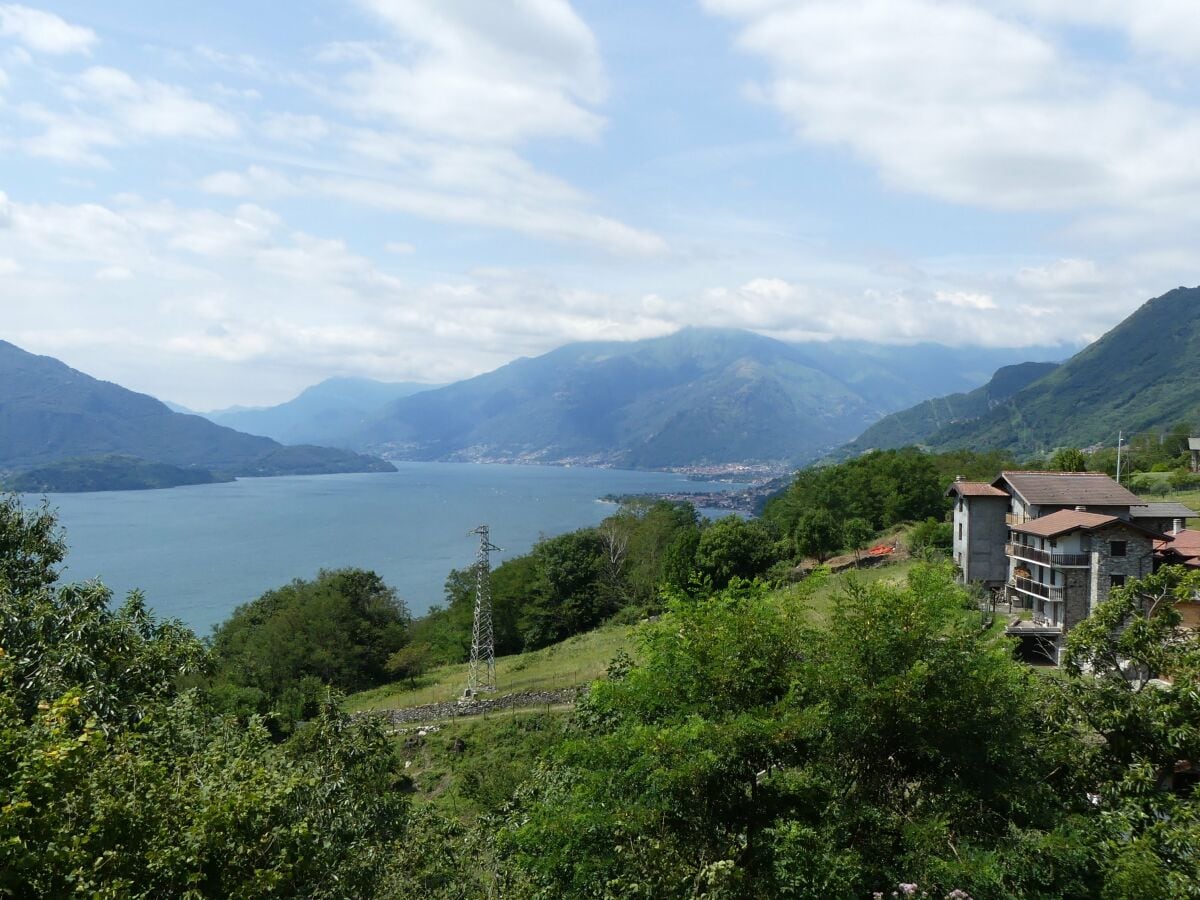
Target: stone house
(1055, 543)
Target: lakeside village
(1051, 546)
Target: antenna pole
(1120, 439)
(482, 674)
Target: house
(1182, 549)
(1194, 446)
(1056, 543)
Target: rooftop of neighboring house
(1067, 489)
(1164, 510)
(974, 489)
(1194, 443)
(1184, 546)
(1067, 520)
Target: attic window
(1116, 548)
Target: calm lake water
(197, 552)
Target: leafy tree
(856, 534)
(340, 628)
(1068, 459)
(931, 535)
(412, 661)
(733, 547)
(566, 597)
(819, 535)
(31, 545)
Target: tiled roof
(974, 489)
(1185, 543)
(1166, 510)
(1063, 521)
(1068, 489)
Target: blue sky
(224, 202)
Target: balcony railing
(1047, 558)
(1015, 519)
(1037, 589)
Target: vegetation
(1137, 378)
(281, 652)
(919, 424)
(117, 779)
(752, 754)
(106, 473)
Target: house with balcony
(1068, 539)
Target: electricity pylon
(482, 674)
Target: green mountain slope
(50, 412)
(919, 423)
(1141, 376)
(697, 397)
(325, 413)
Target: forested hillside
(1141, 376)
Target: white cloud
(113, 273)
(974, 105)
(481, 72)
(43, 31)
(9, 266)
(1062, 275)
(292, 128)
(152, 109)
(400, 248)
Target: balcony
(1046, 558)
(1015, 519)
(1037, 589)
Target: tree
(931, 535)
(733, 547)
(412, 661)
(1068, 459)
(31, 545)
(1143, 728)
(340, 628)
(818, 535)
(856, 534)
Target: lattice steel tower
(483, 642)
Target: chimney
(1081, 509)
(1177, 526)
(959, 478)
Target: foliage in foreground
(116, 780)
(752, 755)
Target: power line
(482, 673)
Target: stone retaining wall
(478, 706)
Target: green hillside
(1140, 376)
(50, 413)
(918, 424)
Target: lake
(199, 551)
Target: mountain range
(699, 397)
(1143, 375)
(54, 416)
(322, 414)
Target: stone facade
(1137, 561)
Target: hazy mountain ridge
(699, 397)
(325, 413)
(1140, 376)
(51, 413)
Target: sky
(222, 203)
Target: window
(1117, 580)
(1116, 548)
(959, 531)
